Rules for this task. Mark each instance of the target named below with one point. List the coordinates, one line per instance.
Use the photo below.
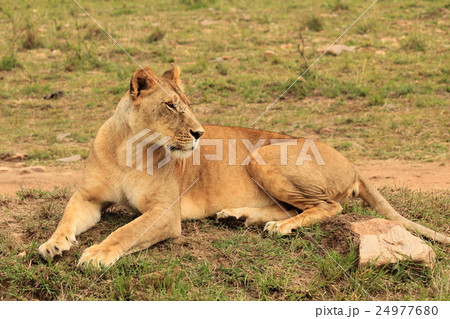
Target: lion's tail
(373, 197)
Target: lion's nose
(196, 134)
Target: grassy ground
(377, 105)
(387, 99)
(210, 261)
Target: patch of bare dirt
(338, 231)
(402, 174)
(413, 175)
(15, 176)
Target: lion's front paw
(98, 255)
(280, 228)
(56, 245)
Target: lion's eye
(171, 106)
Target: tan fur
(225, 188)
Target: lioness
(254, 187)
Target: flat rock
(373, 226)
(384, 242)
(378, 241)
(73, 158)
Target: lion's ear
(174, 75)
(143, 79)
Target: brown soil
(402, 174)
(338, 233)
(11, 181)
(412, 175)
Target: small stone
(246, 17)
(286, 46)
(336, 49)
(380, 52)
(218, 59)
(73, 158)
(24, 171)
(15, 158)
(206, 22)
(4, 169)
(54, 95)
(390, 107)
(269, 54)
(327, 130)
(62, 136)
(56, 52)
(356, 146)
(37, 169)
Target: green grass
(7, 63)
(210, 261)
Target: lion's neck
(120, 126)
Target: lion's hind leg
(252, 215)
(302, 186)
(307, 218)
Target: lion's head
(160, 105)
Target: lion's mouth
(179, 151)
(173, 148)
(183, 148)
